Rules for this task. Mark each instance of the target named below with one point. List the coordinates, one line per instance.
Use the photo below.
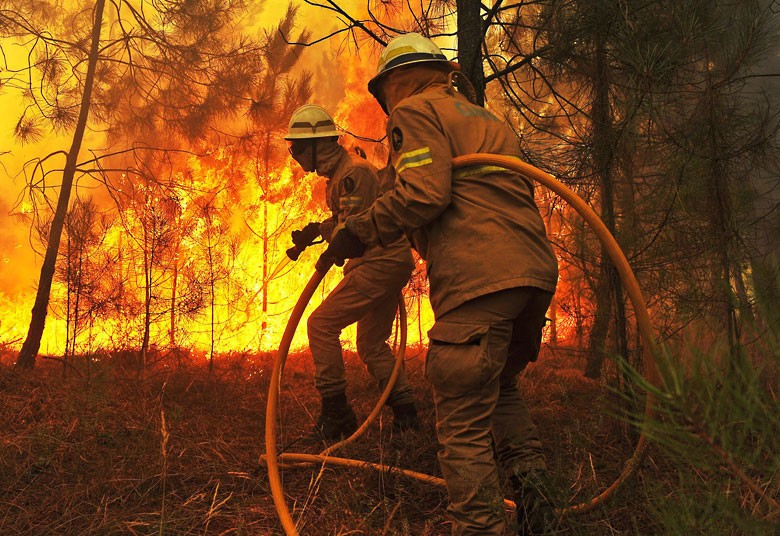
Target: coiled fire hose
(626, 276)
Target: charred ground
(178, 452)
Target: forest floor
(99, 452)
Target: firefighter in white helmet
(369, 292)
(492, 276)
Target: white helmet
(311, 121)
(404, 50)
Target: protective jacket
(478, 228)
(352, 186)
(368, 294)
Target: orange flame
(217, 275)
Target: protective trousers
(368, 295)
(476, 352)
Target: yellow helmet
(404, 50)
(311, 121)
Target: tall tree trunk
(68, 304)
(32, 343)
(608, 289)
(553, 312)
(266, 186)
(597, 349)
(578, 314)
(212, 298)
(470, 45)
(174, 286)
(77, 305)
(420, 339)
(149, 259)
(723, 233)
(722, 222)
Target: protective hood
(408, 82)
(328, 156)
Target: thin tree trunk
(419, 321)
(470, 45)
(174, 284)
(68, 308)
(553, 312)
(266, 186)
(578, 314)
(77, 304)
(598, 331)
(32, 343)
(722, 214)
(723, 240)
(149, 280)
(212, 297)
(607, 291)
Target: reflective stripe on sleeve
(412, 159)
(350, 202)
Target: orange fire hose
(270, 457)
(629, 282)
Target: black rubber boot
(405, 417)
(336, 419)
(535, 512)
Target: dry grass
(178, 453)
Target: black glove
(326, 229)
(306, 236)
(302, 239)
(343, 245)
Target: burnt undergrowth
(179, 452)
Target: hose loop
(633, 292)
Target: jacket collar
(411, 81)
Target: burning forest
(153, 186)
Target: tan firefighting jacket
(478, 228)
(352, 186)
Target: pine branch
(732, 465)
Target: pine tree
(121, 70)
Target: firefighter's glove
(343, 245)
(326, 229)
(302, 239)
(306, 236)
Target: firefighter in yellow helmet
(492, 276)
(369, 292)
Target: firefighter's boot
(336, 419)
(535, 512)
(405, 417)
